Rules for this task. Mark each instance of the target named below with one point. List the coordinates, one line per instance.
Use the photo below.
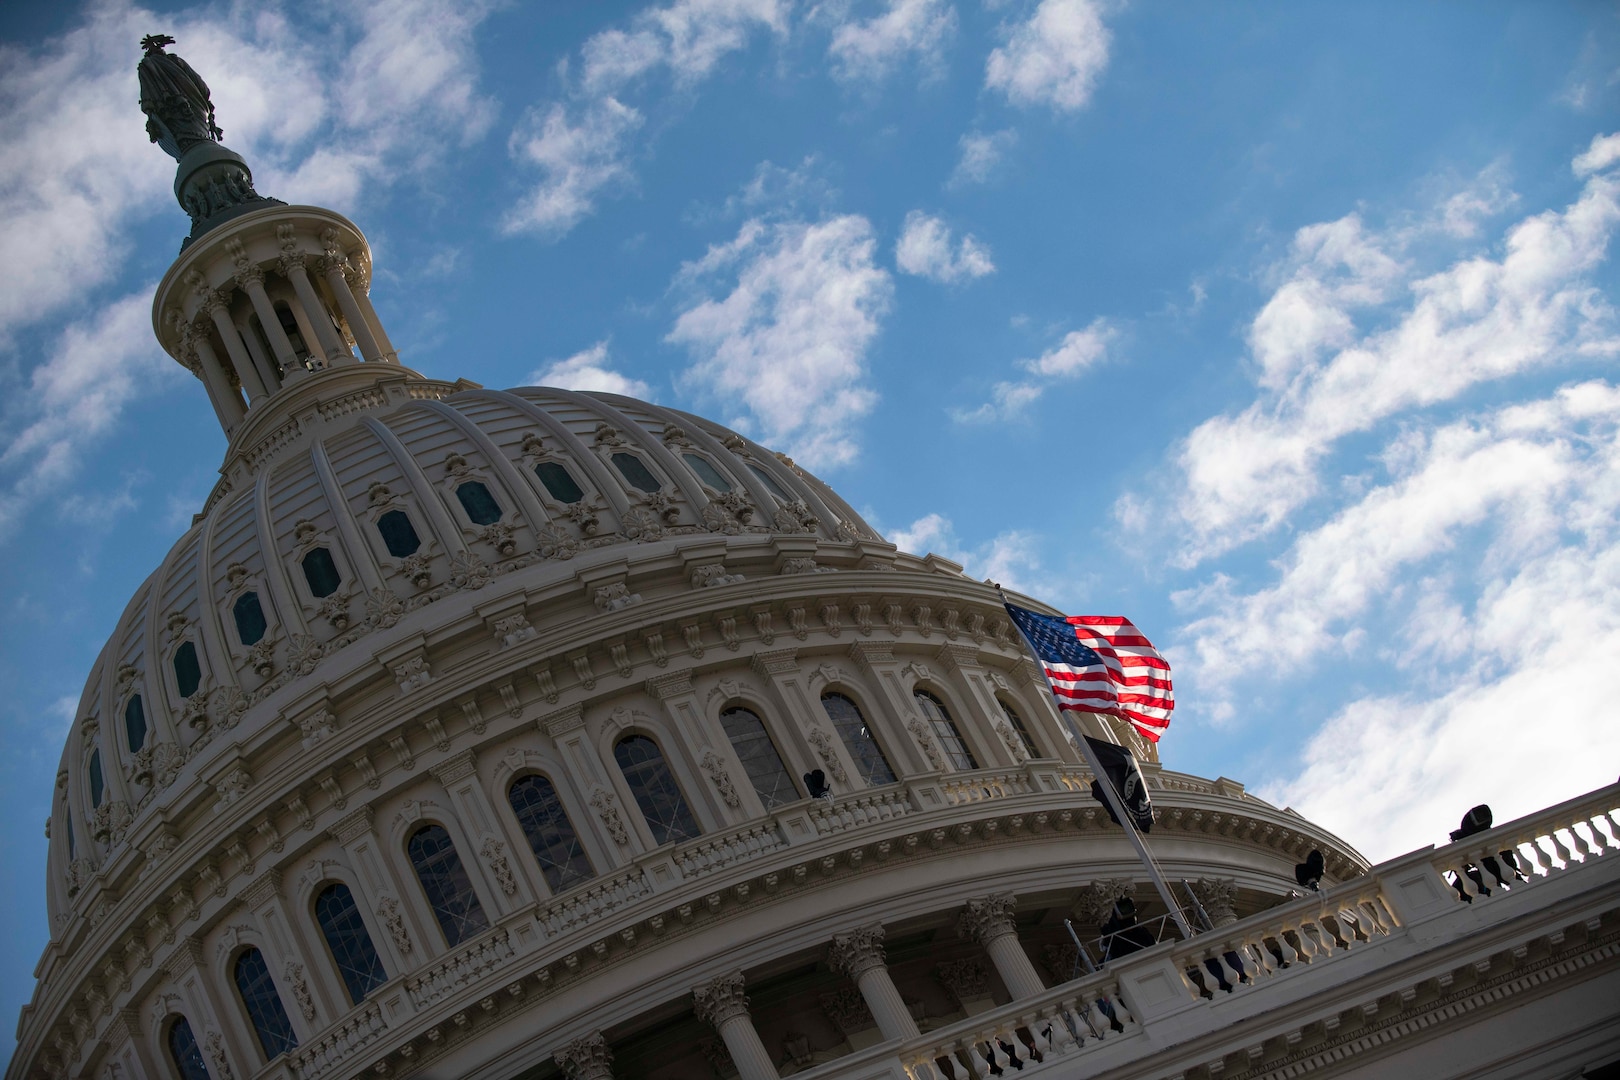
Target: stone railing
(710, 854)
(328, 1052)
(1060, 1026)
(465, 965)
(852, 813)
(1523, 853)
(981, 787)
(591, 902)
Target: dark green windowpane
(550, 834)
(399, 535)
(449, 890)
(135, 724)
(97, 788)
(187, 672)
(185, 1053)
(263, 1004)
(249, 618)
(770, 481)
(634, 470)
(655, 789)
(481, 507)
(350, 942)
(559, 481)
(321, 573)
(707, 472)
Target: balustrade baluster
(1592, 849)
(1097, 1016)
(1229, 974)
(978, 1061)
(998, 1053)
(1565, 855)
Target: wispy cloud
(1053, 59)
(1325, 375)
(925, 249)
(588, 370)
(577, 161)
(1010, 559)
(981, 154)
(1077, 353)
(867, 50)
(788, 311)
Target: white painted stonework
(911, 929)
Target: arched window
(346, 937)
(481, 507)
(250, 625)
(956, 751)
(67, 823)
(185, 1053)
(97, 788)
(135, 724)
(759, 757)
(634, 470)
(263, 1004)
(321, 573)
(559, 481)
(1018, 725)
(550, 834)
(187, 672)
(449, 890)
(770, 481)
(655, 790)
(858, 739)
(706, 472)
(398, 534)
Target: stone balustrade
(981, 787)
(463, 966)
(1523, 853)
(709, 854)
(331, 1051)
(854, 812)
(591, 902)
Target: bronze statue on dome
(179, 111)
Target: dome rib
(283, 593)
(751, 483)
(678, 472)
(499, 464)
(439, 520)
(364, 556)
(612, 490)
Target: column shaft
(352, 314)
(227, 401)
(747, 1049)
(363, 299)
(1012, 964)
(883, 998)
(280, 343)
(240, 360)
(330, 341)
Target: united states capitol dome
(466, 733)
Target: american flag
(1102, 664)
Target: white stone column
(859, 955)
(332, 269)
(989, 922)
(586, 1058)
(250, 279)
(227, 402)
(214, 305)
(331, 342)
(1219, 897)
(722, 1003)
(360, 287)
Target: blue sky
(1287, 331)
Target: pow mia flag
(1120, 768)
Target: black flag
(1120, 768)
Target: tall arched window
(250, 625)
(185, 1053)
(263, 1004)
(135, 724)
(760, 760)
(858, 739)
(551, 835)
(398, 534)
(1017, 723)
(345, 932)
(187, 672)
(655, 790)
(97, 786)
(956, 750)
(449, 890)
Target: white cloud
(1324, 376)
(1010, 559)
(788, 341)
(1053, 59)
(577, 162)
(924, 249)
(1077, 353)
(1603, 152)
(588, 370)
(689, 36)
(982, 152)
(867, 50)
(95, 370)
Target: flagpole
(1106, 786)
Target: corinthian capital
(858, 951)
(214, 300)
(988, 918)
(290, 261)
(720, 999)
(249, 275)
(586, 1058)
